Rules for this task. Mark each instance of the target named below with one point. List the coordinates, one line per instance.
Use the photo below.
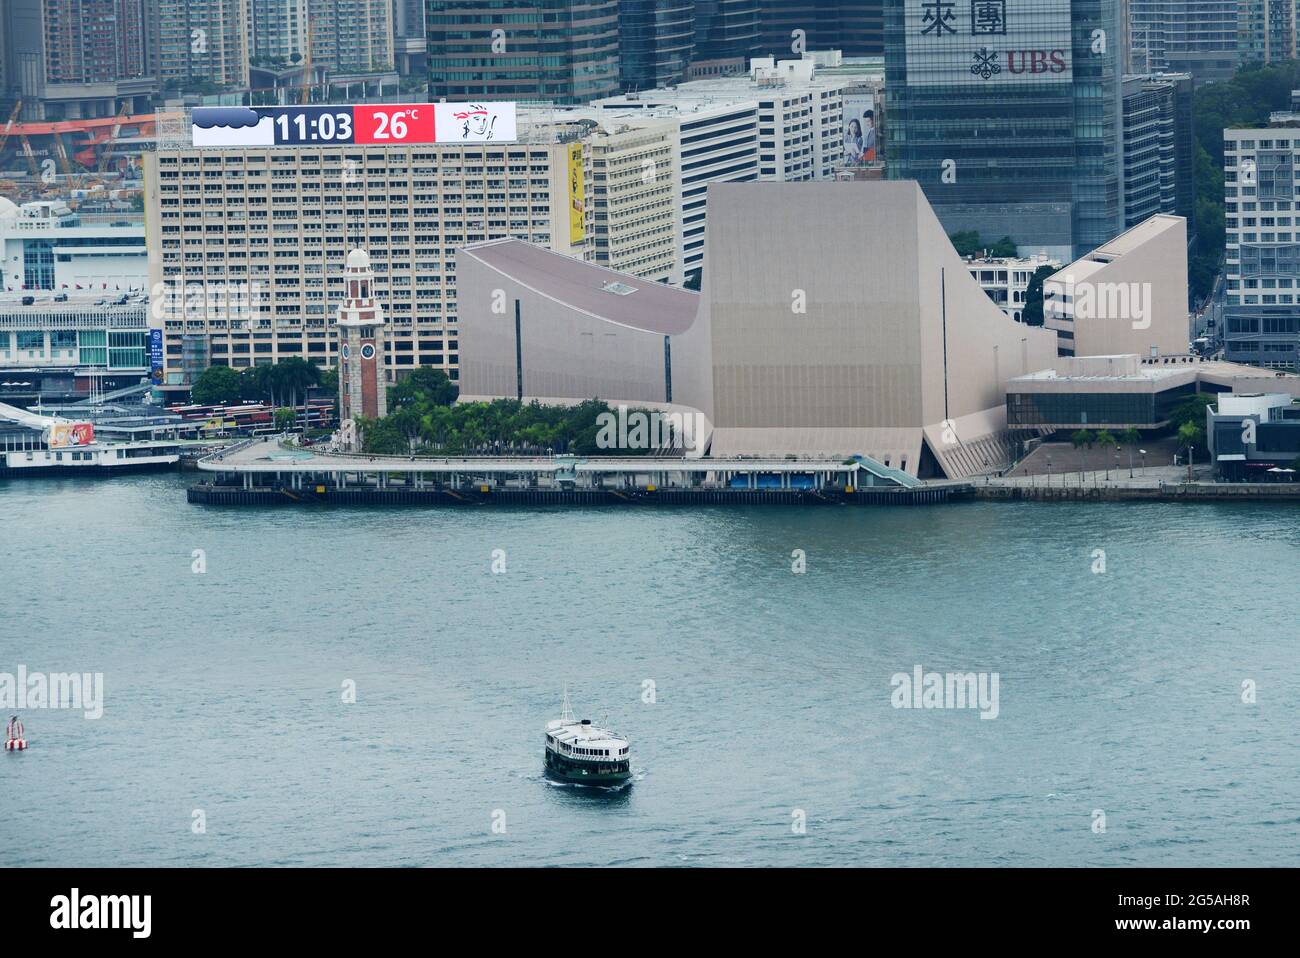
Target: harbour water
(755, 698)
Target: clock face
(347, 351)
(367, 351)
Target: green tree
(1005, 247)
(1032, 313)
(1191, 410)
(424, 385)
(217, 386)
(285, 419)
(1105, 440)
(1082, 438)
(966, 242)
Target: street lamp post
(1143, 453)
(1049, 471)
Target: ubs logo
(1019, 62)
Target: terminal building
(1127, 391)
(63, 347)
(875, 341)
(45, 245)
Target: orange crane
(4, 137)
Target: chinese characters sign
(987, 41)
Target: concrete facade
(873, 340)
(1127, 296)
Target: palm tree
(1082, 438)
(1130, 437)
(1189, 437)
(1106, 440)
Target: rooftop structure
(47, 246)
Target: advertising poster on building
(382, 124)
(156, 356)
(990, 42)
(577, 196)
(64, 434)
(861, 132)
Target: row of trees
(1186, 418)
(285, 383)
(424, 417)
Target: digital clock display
(377, 123)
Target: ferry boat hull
(572, 772)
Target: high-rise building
(1159, 148)
(1262, 248)
(277, 30)
(352, 36)
(1266, 30)
(199, 42)
(564, 51)
(347, 36)
(1184, 36)
(247, 245)
(410, 46)
(1008, 113)
(726, 32)
(76, 58)
(656, 42)
(854, 27)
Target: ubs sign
(987, 41)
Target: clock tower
(363, 368)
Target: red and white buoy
(15, 739)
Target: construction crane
(305, 95)
(4, 137)
(106, 148)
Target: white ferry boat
(580, 753)
(92, 459)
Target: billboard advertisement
(861, 129)
(156, 356)
(987, 42)
(577, 196)
(383, 124)
(64, 434)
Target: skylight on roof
(618, 289)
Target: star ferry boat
(580, 753)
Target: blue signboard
(156, 356)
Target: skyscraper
(75, 58)
(1184, 36)
(726, 30)
(656, 42)
(565, 51)
(199, 43)
(1008, 113)
(854, 27)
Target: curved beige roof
(604, 293)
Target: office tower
(656, 42)
(1008, 113)
(854, 27)
(563, 51)
(726, 31)
(1159, 148)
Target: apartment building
(1262, 255)
(199, 41)
(247, 244)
